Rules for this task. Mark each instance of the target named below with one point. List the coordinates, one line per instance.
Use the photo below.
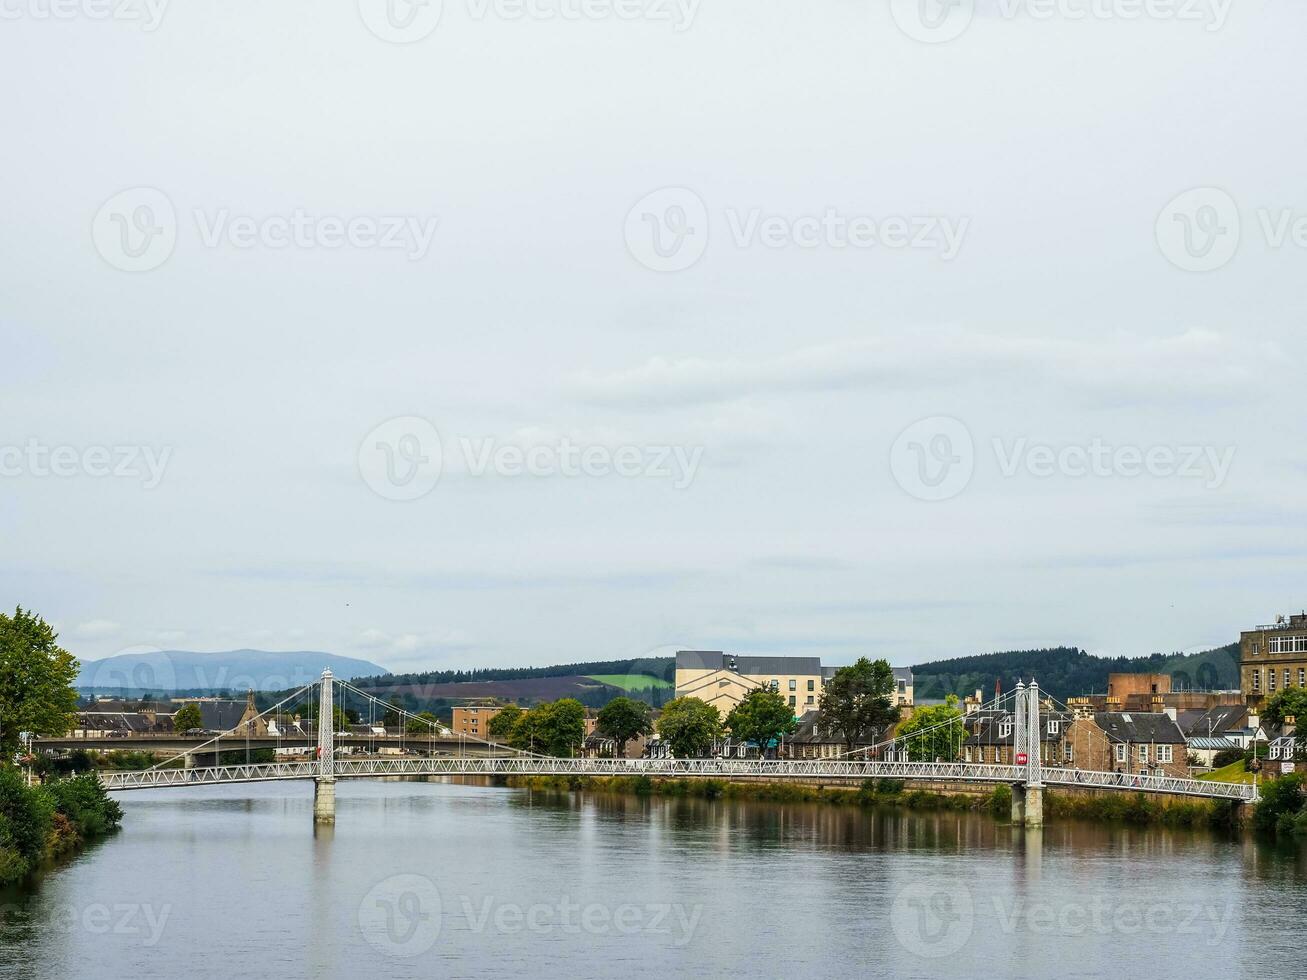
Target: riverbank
(1133, 808)
(42, 823)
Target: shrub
(25, 821)
(1227, 757)
(1281, 797)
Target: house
(990, 737)
(812, 740)
(1143, 743)
(223, 715)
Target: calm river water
(443, 880)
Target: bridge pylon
(1027, 741)
(324, 784)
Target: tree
(689, 726)
(553, 728)
(763, 716)
(858, 701)
(187, 717)
(623, 719)
(36, 677)
(424, 723)
(934, 733)
(1292, 701)
(501, 725)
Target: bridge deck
(346, 768)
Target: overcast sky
(904, 347)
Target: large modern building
(723, 679)
(1272, 658)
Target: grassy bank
(1133, 808)
(40, 823)
(871, 792)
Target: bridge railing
(346, 767)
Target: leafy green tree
(421, 724)
(501, 725)
(1292, 701)
(689, 726)
(553, 728)
(934, 733)
(762, 716)
(36, 677)
(187, 717)
(858, 702)
(623, 719)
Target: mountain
(164, 671)
(1065, 672)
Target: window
(794, 685)
(1004, 728)
(1302, 677)
(966, 754)
(1165, 753)
(1287, 682)
(1054, 727)
(1120, 753)
(793, 700)
(812, 685)
(1270, 679)
(810, 699)
(1068, 752)
(775, 685)
(1143, 753)
(1257, 679)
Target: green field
(1235, 772)
(631, 682)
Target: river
(437, 879)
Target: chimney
(1156, 706)
(1290, 725)
(1254, 720)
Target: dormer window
(1054, 727)
(1004, 728)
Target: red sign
(1022, 758)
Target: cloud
(94, 629)
(1117, 368)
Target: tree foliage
(187, 717)
(623, 719)
(554, 728)
(502, 724)
(934, 733)
(689, 726)
(36, 677)
(858, 702)
(762, 716)
(424, 723)
(1292, 701)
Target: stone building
(1272, 658)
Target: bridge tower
(324, 784)
(1027, 741)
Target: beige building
(1272, 658)
(474, 719)
(723, 679)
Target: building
(1145, 686)
(990, 737)
(812, 740)
(1273, 657)
(227, 715)
(474, 719)
(723, 679)
(1145, 743)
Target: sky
(489, 333)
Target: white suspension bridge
(1027, 775)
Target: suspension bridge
(1026, 773)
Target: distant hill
(593, 684)
(185, 671)
(1069, 672)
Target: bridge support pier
(1028, 805)
(324, 801)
